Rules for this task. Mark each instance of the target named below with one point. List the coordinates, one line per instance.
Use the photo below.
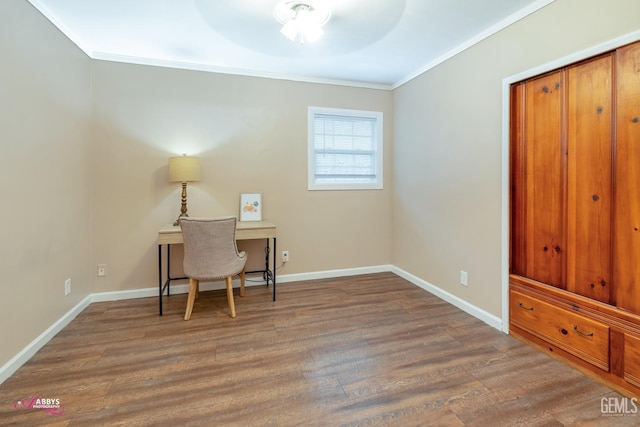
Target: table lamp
(184, 169)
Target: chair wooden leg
(193, 290)
(242, 283)
(232, 306)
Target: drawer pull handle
(524, 308)
(584, 334)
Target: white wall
(45, 131)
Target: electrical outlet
(102, 270)
(285, 256)
(463, 278)
(67, 287)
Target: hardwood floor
(365, 350)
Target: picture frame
(251, 207)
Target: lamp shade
(184, 169)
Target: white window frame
(377, 184)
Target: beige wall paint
(448, 146)
(45, 109)
(251, 136)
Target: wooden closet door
(518, 206)
(626, 240)
(589, 186)
(545, 180)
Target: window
(345, 149)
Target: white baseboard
(463, 305)
(180, 288)
(32, 348)
(176, 288)
(183, 288)
(329, 274)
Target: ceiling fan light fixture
(290, 30)
(312, 33)
(302, 19)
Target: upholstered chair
(210, 253)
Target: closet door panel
(626, 240)
(518, 260)
(589, 187)
(545, 178)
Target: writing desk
(247, 230)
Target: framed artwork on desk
(251, 207)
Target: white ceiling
(371, 43)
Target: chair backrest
(210, 250)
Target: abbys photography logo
(50, 406)
(619, 407)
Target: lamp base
(183, 206)
(178, 220)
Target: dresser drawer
(632, 359)
(583, 337)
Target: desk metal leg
(168, 270)
(266, 275)
(167, 283)
(160, 278)
(162, 285)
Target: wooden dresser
(575, 215)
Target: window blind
(344, 149)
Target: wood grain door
(626, 240)
(590, 113)
(518, 205)
(544, 179)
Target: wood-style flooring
(357, 351)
